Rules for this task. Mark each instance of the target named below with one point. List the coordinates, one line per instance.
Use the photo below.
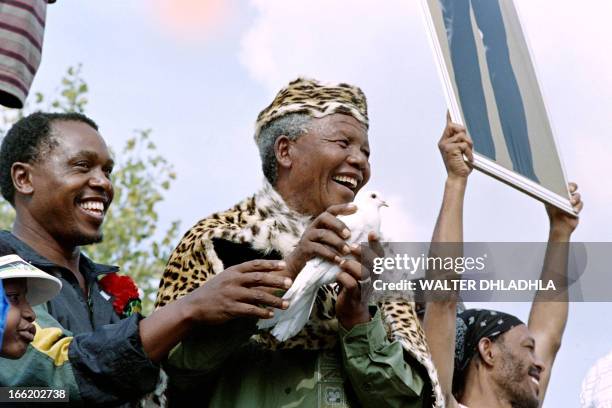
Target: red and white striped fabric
(22, 28)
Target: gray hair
(292, 126)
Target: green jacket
(220, 366)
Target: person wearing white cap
(24, 286)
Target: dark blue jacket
(81, 344)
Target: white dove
(318, 272)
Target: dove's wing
(291, 322)
(309, 276)
(315, 274)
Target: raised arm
(453, 145)
(439, 323)
(548, 315)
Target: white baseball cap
(42, 286)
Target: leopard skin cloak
(265, 228)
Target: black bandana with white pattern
(475, 324)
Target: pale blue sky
(199, 81)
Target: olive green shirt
(219, 365)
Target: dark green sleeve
(376, 367)
(195, 360)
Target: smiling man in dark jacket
(55, 171)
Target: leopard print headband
(315, 99)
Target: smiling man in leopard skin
(313, 142)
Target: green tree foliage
(141, 178)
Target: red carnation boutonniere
(124, 292)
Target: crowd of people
(201, 346)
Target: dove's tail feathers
(280, 314)
(290, 295)
(295, 318)
(291, 292)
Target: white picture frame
(483, 57)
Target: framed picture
(492, 89)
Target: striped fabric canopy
(22, 28)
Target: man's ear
(486, 351)
(21, 173)
(282, 151)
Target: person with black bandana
(486, 358)
(512, 339)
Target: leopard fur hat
(316, 99)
